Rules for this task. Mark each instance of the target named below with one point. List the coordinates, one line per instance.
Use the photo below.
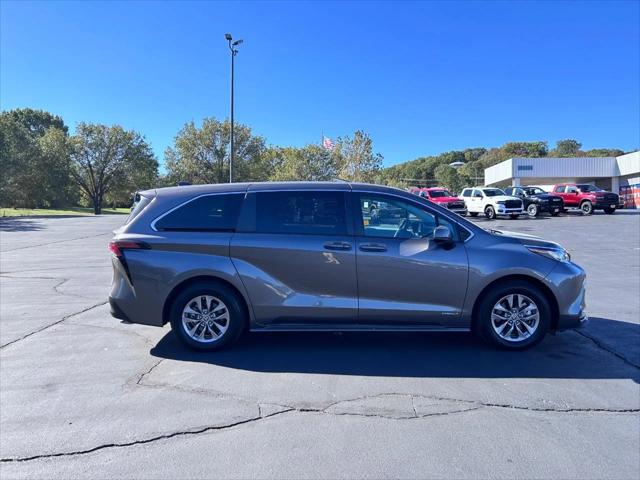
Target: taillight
(116, 247)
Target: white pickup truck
(492, 202)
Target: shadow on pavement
(414, 355)
(20, 224)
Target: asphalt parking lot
(83, 395)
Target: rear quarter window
(206, 213)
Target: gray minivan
(218, 260)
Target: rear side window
(207, 213)
(139, 204)
(310, 213)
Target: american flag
(327, 143)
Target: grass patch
(78, 211)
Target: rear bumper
(116, 311)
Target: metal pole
(233, 55)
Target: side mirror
(442, 235)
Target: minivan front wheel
(207, 316)
(514, 316)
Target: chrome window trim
(193, 199)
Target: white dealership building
(617, 174)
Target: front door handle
(337, 246)
(373, 247)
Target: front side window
(534, 191)
(307, 213)
(466, 192)
(559, 189)
(396, 218)
(206, 213)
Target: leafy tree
(201, 154)
(448, 177)
(35, 162)
(604, 152)
(566, 148)
(105, 158)
(311, 162)
(355, 159)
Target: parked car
(536, 200)
(492, 202)
(218, 260)
(587, 197)
(444, 198)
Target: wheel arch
(544, 289)
(202, 279)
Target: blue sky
(420, 77)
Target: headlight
(556, 253)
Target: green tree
(35, 160)
(312, 162)
(355, 160)
(201, 154)
(566, 148)
(105, 157)
(604, 152)
(448, 177)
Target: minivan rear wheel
(514, 316)
(207, 316)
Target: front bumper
(549, 208)
(502, 210)
(566, 322)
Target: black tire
(473, 214)
(483, 320)
(490, 212)
(514, 217)
(533, 210)
(609, 211)
(237, 322)
(586, 207)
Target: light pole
(234, 51)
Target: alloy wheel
(515, 317)
(205, 318)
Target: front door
(295, 253)
(404, 277)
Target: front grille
(456, 205)
(513, 204)
(557, 200)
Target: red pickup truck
(442, 197)
(587, 197)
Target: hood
(445, 199)
(504, 198)
(546, 196)
(524, 238)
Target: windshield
(534, 191)
(439, 193)
(492, 192)
(589, 188)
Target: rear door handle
(373, 247)
(337, 246)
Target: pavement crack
(602, 346)
(144, 374)
(52, 324)
(199, 431)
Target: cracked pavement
(84, 395)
